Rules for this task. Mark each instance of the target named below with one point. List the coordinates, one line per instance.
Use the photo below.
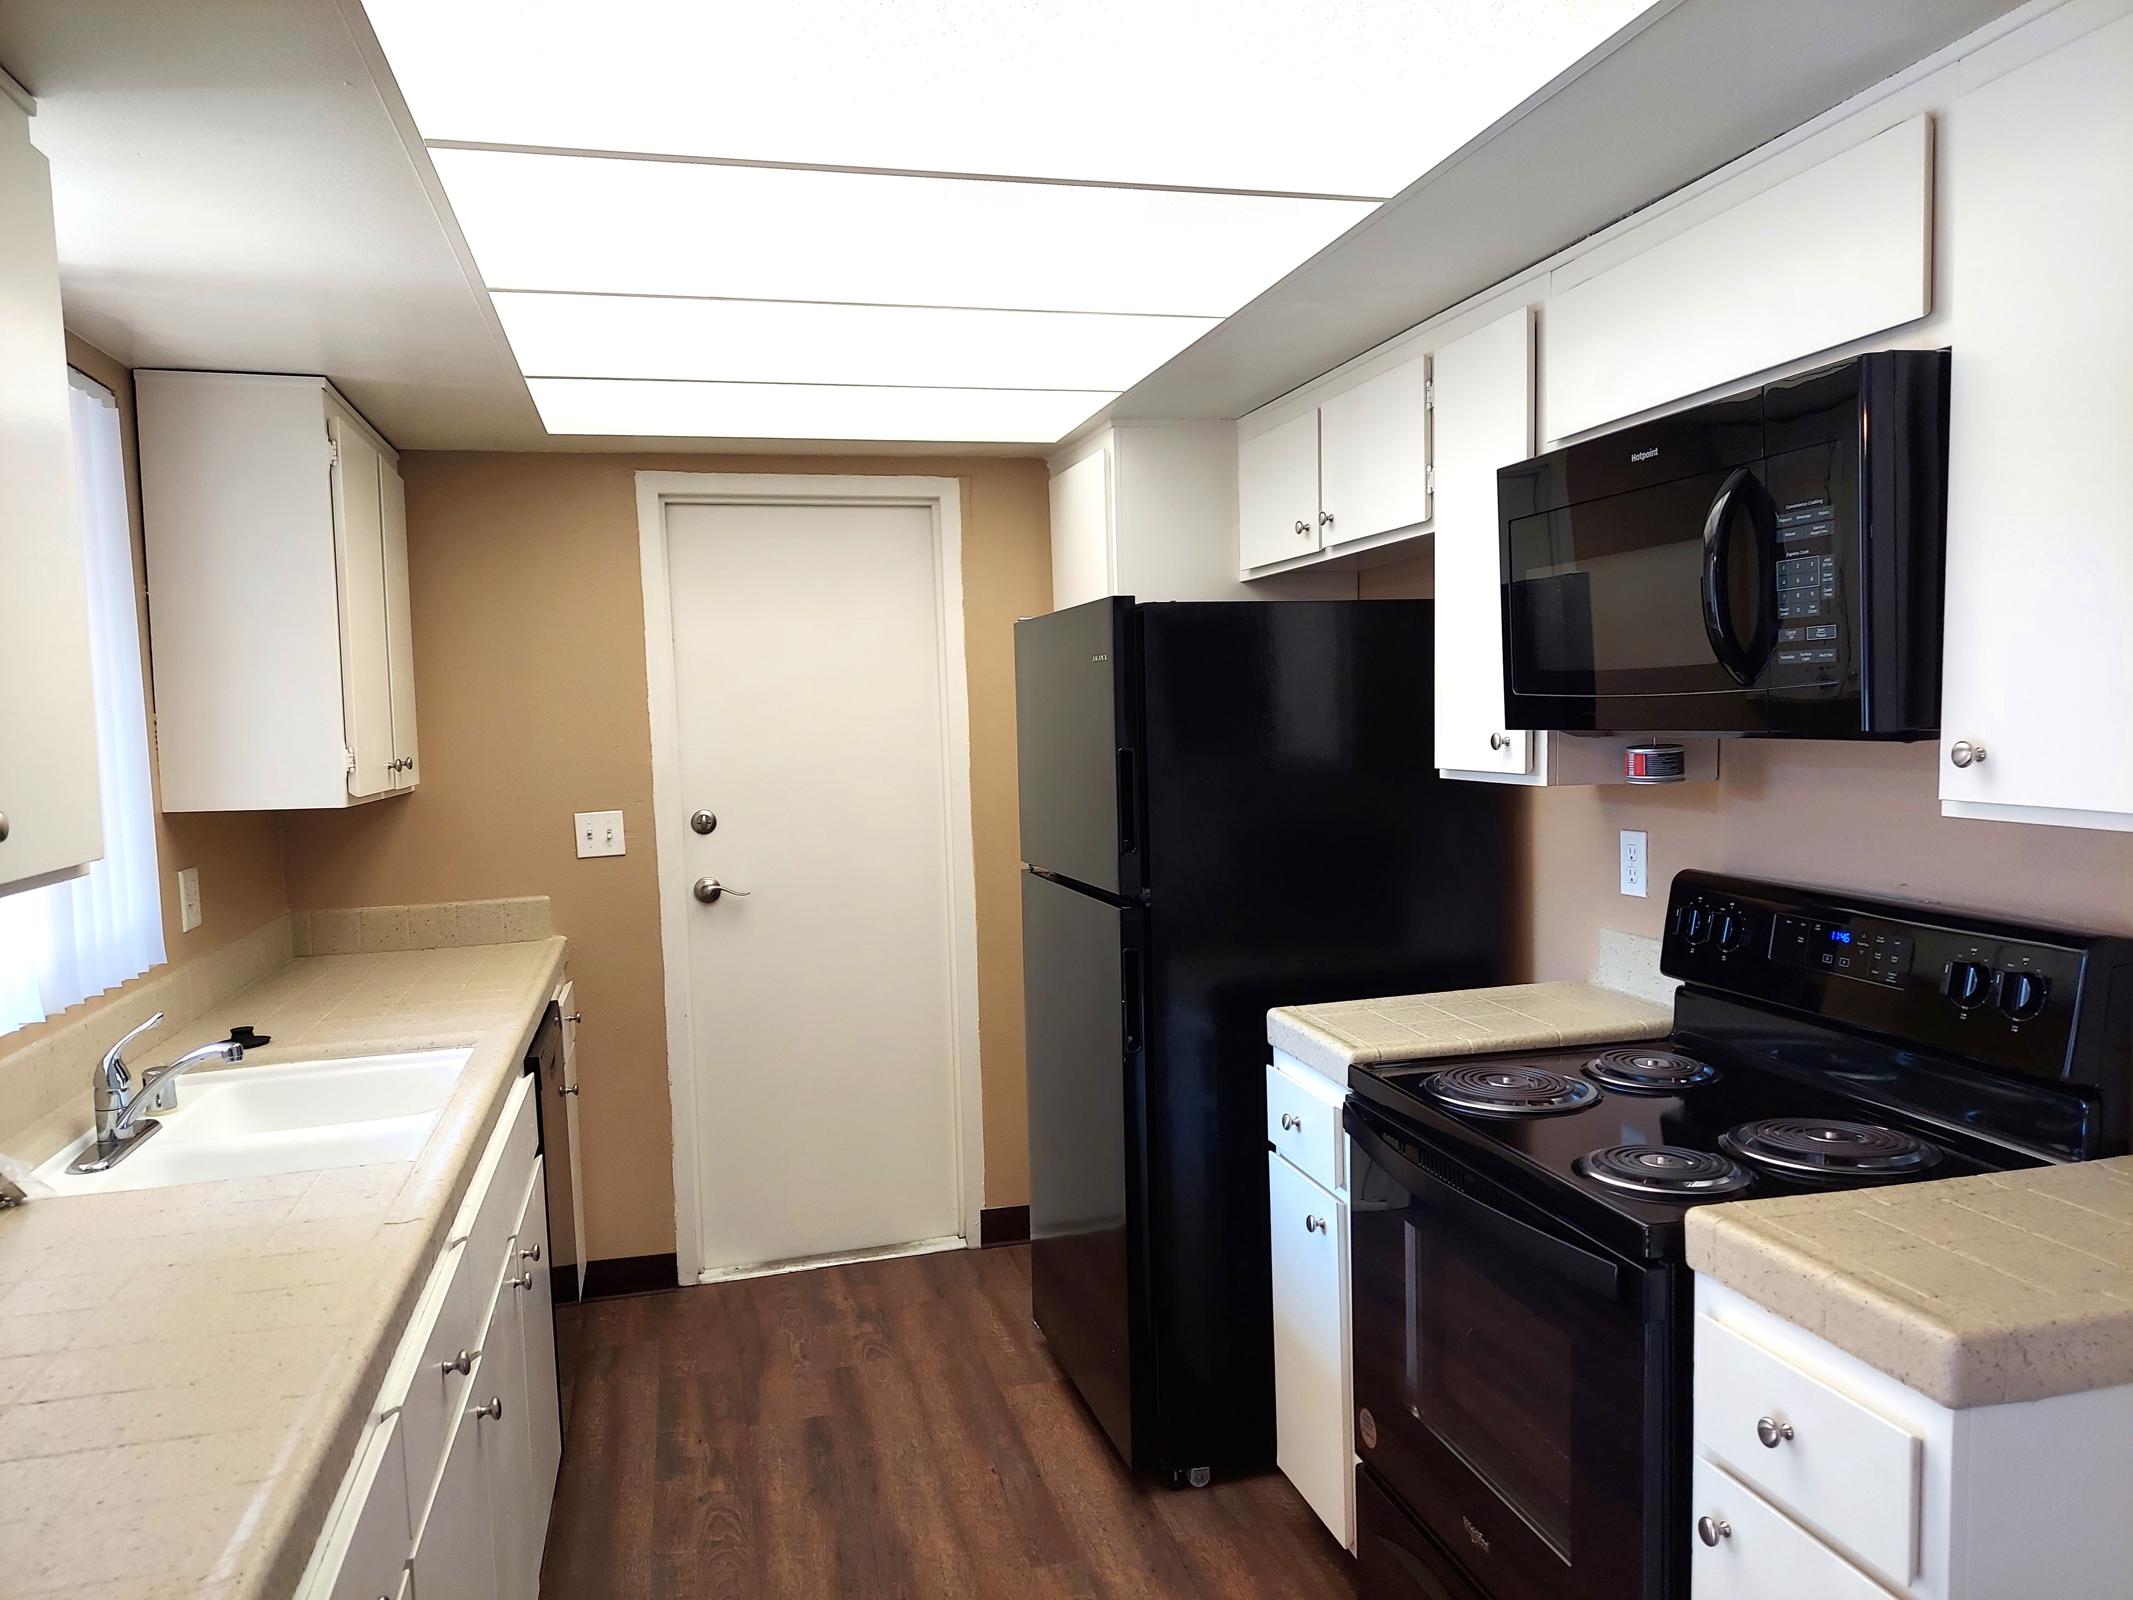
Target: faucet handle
(113, 1071)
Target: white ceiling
(235, 190)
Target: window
(64, 942)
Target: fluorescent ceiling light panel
(1355, 97)
(766, 233)
(806, 411)
(621, 336)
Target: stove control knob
(2023, 994)
(1969, 984)
(1696, 920)
(1732, 929)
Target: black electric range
(1521, 1297)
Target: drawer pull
(523, 1281)
(1772, 1431)
(530, 1255)
(1290, 1122)
(463, 1363)
(1314, 1224)
(1712, 1529)
(494, 1411)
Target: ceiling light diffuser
(622, 336)
(1352, 97)
(809, 411)
(766, 233)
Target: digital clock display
(1840, 936)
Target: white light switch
(599, 833)
(1636, 858)
(188, 899)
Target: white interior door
(811, 716)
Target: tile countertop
(1332, 1038)
(1973, 1291)
(185, 1372)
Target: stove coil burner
(1663, 1171)
(1516, 1091)
(1649, 1071)
(1818, 1147)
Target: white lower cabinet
(1313, 1375)
(456, 1475)
(1747, 1550)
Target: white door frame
(656, 491)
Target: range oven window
(1510, 1378)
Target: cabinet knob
(1290, 1122)
(1303, 529)
(1314, 1224)
(523, 1281)
(569, 1088)
(1772, 1431)
(462, 1363)
(493, 1411)
(1712, 1529)
(533, 1254)
(1499, 741)
(3, 827)
(1325, 519)
(1964, 753)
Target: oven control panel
(1974, 987)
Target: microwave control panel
(1810, 644)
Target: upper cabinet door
(1484, 420)
(1373, 461)
(48, 779)
(2038, 669)
(359, 566)
(1277, 493)
(399, 626)
(1081, 531)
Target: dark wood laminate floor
(890, 1429)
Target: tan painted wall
(529, 651)
(1856, 816)
(239, 853)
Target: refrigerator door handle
(1128, 810)
(1131, 1001)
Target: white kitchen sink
(304, 1116)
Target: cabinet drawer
(1759, 1554)
(366, 1555)
(1303, 1122)
(1837, 1465)
(490, 1210)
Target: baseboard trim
(1003, 1225)
(619, 1275)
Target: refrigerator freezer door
(1076, 716)
(1081, 958)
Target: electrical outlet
(599, 833)
(188, 899)
(1636, 860)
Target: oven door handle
(1743, 659)
(1593, 1273)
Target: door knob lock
(709, 891)
(703, 821)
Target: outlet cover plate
(599, 833)
(188, 899)
(1636, 863)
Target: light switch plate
(1636, 862)
(188, 899)
(599, 833)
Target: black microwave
(1768, 563)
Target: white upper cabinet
(1081, 530)
(1374, 455)
(50, 815)
(276, 528)
(1485, 421)
(1277, 492)
(2038, 671)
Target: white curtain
(67, 941)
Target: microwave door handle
(1717, 626)
(1595, 1274)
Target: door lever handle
(709, 891)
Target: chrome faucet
(120, 1101)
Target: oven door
(1511, 1378)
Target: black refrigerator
(1226, 806)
